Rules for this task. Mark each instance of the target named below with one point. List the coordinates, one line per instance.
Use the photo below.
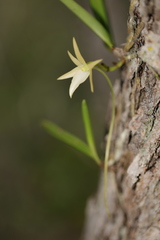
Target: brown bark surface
(134, 169)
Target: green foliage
(90, 21)
(101, 14)
(68, 138)
(88, 131)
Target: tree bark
(134, 167)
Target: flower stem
(108, 143)
(106, 68)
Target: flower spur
(80, 73)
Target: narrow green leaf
(66, 137)
(101, 14)
(90, 21)
(88, 131)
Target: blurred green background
(44, 184)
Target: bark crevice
(134, 168)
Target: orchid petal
(75, 60)
(77, 52)
(91, 65)
(80, 73)
(91, 81)
(79, 78)
(69, 74)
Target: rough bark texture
(134, 171)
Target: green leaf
(90, 21)
(100, 12)
(88, 131)
(66, 137)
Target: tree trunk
(134, 167)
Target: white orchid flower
(80, 73)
